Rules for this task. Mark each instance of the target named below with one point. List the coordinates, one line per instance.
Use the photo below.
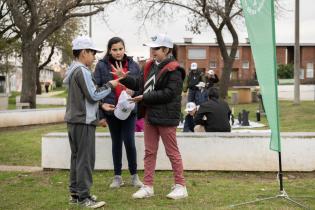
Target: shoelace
(146, 189)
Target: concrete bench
(21, 105)
(45, 100)
(237, 151)
(9, 118)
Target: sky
(121, 21)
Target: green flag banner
(259, 18)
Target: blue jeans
(123, 131)
(192, 95)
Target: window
(301, 73)
(197, 53)
(237, 55)
(213, 64)
(309, 70)
(234, 75)
(245, 65)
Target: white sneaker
(117, 182)
(178, 192)
(144, 192)
(135, 181)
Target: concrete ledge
(45, 100)
(21, 117)
(237, 151)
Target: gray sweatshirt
(83, 95)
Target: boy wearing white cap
(191, 110)
(194, 77)
(201, 94)
(81, 117)
(161, 87)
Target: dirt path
(20, 168)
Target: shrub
(57, 79)
(285, 71)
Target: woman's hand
(108, 107)
(114, 82)
(118, 70)
(136, 99)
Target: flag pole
(256, 11)
(280, 173)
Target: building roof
(243, 44)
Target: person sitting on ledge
(214, 114)
(191, 110)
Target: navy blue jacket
(102, 75)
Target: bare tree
(57, 41)
(216, 14)
(35, 21)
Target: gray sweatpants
(82, 144)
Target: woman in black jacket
(121, 130)
(161, 87)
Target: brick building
(208, 56)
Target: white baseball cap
(190, 106)
(201, 84)
(84, 43)
(123, 107)
(193, 66)
(211, 72)
(160, 40)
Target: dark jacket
(210, 81)
(189, 123)
(201, 97)
(102, 76)
(217, 113)
(194, 77)
(163, 104)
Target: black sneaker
(92, 204)
(74, 198)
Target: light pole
(90, 23)
(297, 54)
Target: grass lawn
(207, 190)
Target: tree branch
(52, 51)
(18, 17)
(91, 3)
(85, 14)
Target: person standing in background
(194, 77)
(211, 79)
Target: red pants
(152, 134)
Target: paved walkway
(20, 168)
(50, 94)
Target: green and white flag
(259, 18)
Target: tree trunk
(28, 93)
(38, 85)
(225, 78)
